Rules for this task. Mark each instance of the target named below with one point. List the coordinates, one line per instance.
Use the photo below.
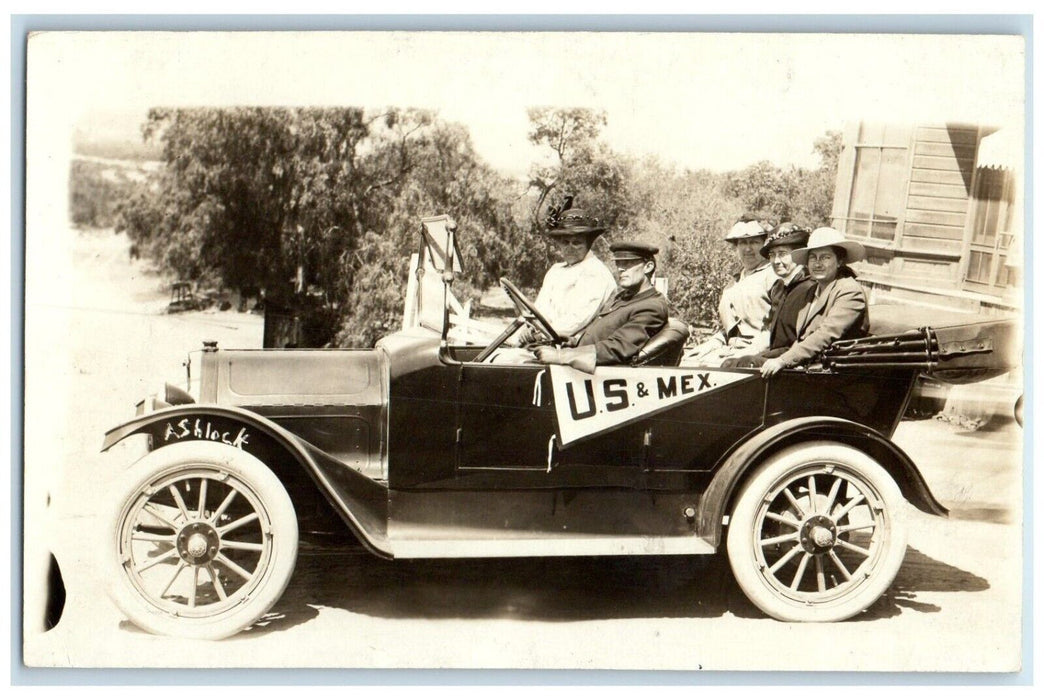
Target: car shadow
(558, 589)
(983, 513)
(922, 574)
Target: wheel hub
(818, 534)
(198, 543)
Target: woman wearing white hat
(745, 305)
(838, 307)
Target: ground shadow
(558, 589)
(983, 513)
(921, 574)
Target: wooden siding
(925, 268)
(965, 151)
(941, 162)
(939, 177)
(933, 231)
(938, 218)
(950, 204)
(916, 245)
(937, 201)
(942, 134)
(927, 189)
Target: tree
(792, 194)
(445, 175)
(814, 195)
(570, 134)
(240, 186)
(685, 215)
(765, 189)
(579, 164)
(95, 190)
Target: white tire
(817, 533)
(204, 541)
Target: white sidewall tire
(265, 487)
(761, 587)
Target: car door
(508, 423)
(502, 424)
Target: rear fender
(361, 502)
(733, 469)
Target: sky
(716, 101)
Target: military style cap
(786, 234)
(633, 250)
(566, 221)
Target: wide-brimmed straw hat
(745, 229)
(829, 238)
(785, 234)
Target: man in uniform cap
(634, 314)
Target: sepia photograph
(575, 350)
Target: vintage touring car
(421, 449)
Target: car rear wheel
(817, 534)
(205, 541)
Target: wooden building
(938, 208)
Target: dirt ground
(97, 340)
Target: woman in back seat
(837, 310)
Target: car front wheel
(205, 541)
(817, 533)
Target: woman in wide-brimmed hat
(837, 309)
(575, 288)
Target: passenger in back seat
(837, 309)
(745, 304)
(789, 294)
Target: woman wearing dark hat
(745, 304)
(837, 309)
(789, 294)
(574, 289)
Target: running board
(552, 546)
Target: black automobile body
(425, 450)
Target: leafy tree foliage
(579, 164)
(95, 190)
(814, 193)
(791, 194)
(323, 205)
(286, 200)
(685, 215)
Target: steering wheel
(528, 313)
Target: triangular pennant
(589, 404)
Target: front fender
(361, 502)
(733, 468)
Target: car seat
(665, 348)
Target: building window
(881, 167)
(991, 236)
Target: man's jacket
(623, 325)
